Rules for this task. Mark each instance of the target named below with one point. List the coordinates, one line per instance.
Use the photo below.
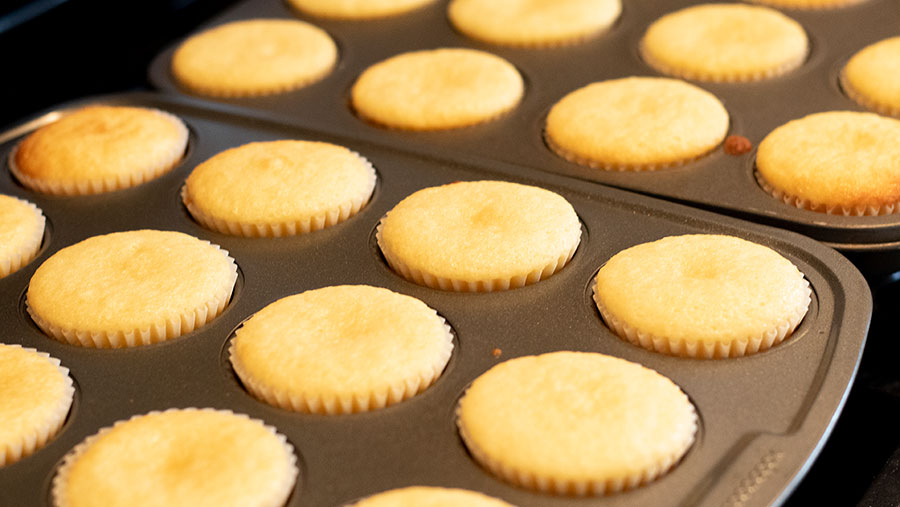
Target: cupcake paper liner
(197, 87)
(701, 350)
(29, 250)
(831, 209)
(568, 486)
(344, 403)
(165, 328)
(558, 42)
(154, 168)
(412, 128)
(489, 285)
(328, 218)
(736, 77)
(597, 164)
(38, 437)
(59, 486)
(866, 102)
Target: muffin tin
(717, 181)
(763, 418)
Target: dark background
(60, 50)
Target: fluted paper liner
(59, 486)
(38, 437)
(486, 285)
(721, 77)
(333, 216)
(697, 349)
(166, 328)
(345, 403)
(195, 86)
(29, 250)
(153, 169)
(608, 166)
(411, 128)
(831, 209)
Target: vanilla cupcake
(356, 9)
(99, 149)
(130, 288)
(37, 395)
(437, 89)
(340, 350)
(21, 233)
(725, 42)
(703, 296)
(427, 496)
(278, 188)
(254, 57)
(530, 23)
(594, 424)
(636, 124)
(180, 457)
(872, 77)
(479, 236)
(838, 162)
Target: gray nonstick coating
(763, 417)
(717, 181)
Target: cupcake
(530, 23)
(838, 162)
(278, 188)
(437, 89)
(419, 496)
(872, 77)
(594, 424)
(99, 149)
(254, 57)
(356, 9)
(187, 457)
(725, 42)
(702, 296)
(37, 395)
(21, 233)
(341, 350)
(635, 124)
(479, 236)
(130, 288)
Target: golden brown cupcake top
(21, 233)
(437, 89)
(480, 235)
(533, 23)
(130, 288)
(180, 457)
(840, 162)
(254, 57)
(99, 149)
(37, 395)
(872, 77)
(725, 42)
(636, 123)
(594, 424)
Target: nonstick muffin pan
(763, 418)
(716, 181)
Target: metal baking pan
(717, 181)
(763, 418)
